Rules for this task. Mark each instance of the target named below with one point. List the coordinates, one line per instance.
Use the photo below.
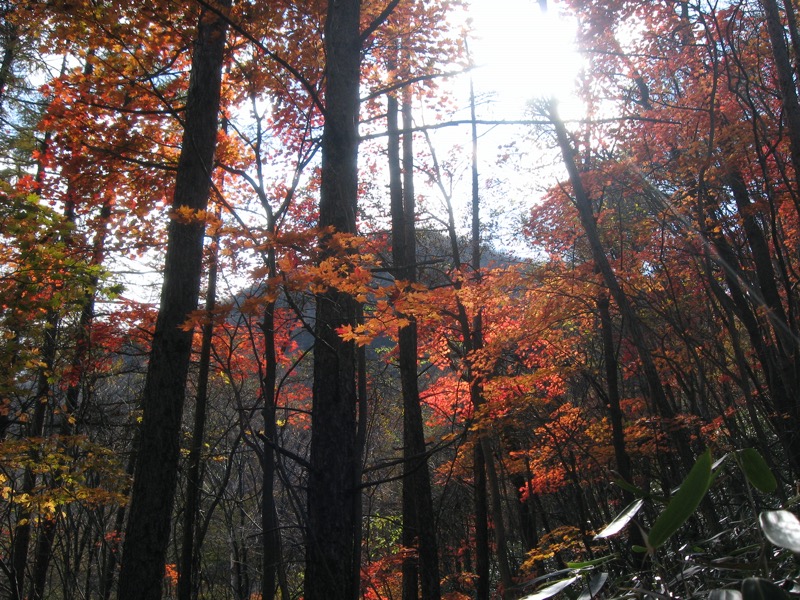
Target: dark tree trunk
(482, 585)
(586, 212)
(269, 516)
(612, 396)
(155, 477)
(419, 527)
(189, 560)
(22, 532)
(10, 36)
(333, 494)
(783, 67)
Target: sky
(524, 53)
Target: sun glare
(525, 53)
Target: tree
(148, 530)
(332, 485)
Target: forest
(280, 321)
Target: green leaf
(596, 583)
(683, 503)
(725, 595)
(629, 487)
(592, 563)
(755, 588)
(782, 528)
(621, 520)
(552, 589)
(756, 470)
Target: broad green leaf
(755, 588)
(683, 503)
(621, 520)
(552, 589)
(725, 595)
(782, 528)
(756, 470)
(595, 584)
(629, 487)
(592, 563)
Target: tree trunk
(612, 396)
(22, 532)
(155, 478)
(783, 66)
(189, 560)
(10, 36)
(587, 218)
(271, 538)
(419, 527)
(333, 493)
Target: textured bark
(482, 585)
(189, 560)
(22, 532)
(783, 66)
(10, 37)
(612, 396)
(655, 390)
(483, 454)
(269, 517)
(155, 477)
(419, 527)
(333, 494)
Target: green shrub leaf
(552, 589)
(683, 503)
(756, 470)
(621, 520)
(595, 584)
(755, 588)
(725, 595)
(782, 528)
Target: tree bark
(155, 478)
(788, 89)
(419, 527)
(332, 489)
(189, 560)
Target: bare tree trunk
(783, 66)
(190, 553)
(419, 527)
(586, 212)
(156, 474)
(10, 38)
(333, 493)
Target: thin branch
(529, 122)
(406, 82)
(312, 92)
(379, 20)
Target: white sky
(526, 54)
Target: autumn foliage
(649, 310)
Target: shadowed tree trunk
(785, 72)
(189, 560)
(332, 487)
(156, 473)
(419, 527)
